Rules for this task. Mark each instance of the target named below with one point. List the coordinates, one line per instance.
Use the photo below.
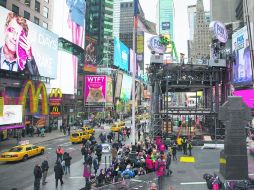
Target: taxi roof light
(24, 142)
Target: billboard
(12, 114)
(242, 70)
(27, 48)
(140, 50)
(90, 54)
(95, 88)
(165, 25)
(109, 91)
(66, 78)
(247, 95)
(121, 55)
(131, 60)
(69, 20)
(168, 55)
(126, 88)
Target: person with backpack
(44, 168)
(160, 168)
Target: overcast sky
(181, 21)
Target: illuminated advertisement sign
(140, 49)
(109, 90)
(118, 84)
(126, 88)
(95, 88)
(247, 95)
(11, 114)
(90, 54)
(121, 55)
(66, 73)
(131, 60)
(55, 98)
(242, 71)
(26, 47)
(69, 20)
(55, 110)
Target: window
(79, 93)
(15, 9)
(28, 148)
(3, 3)
(37, 6)
(36, 20)
(45, 25)
(28, 3)
(26, 15)
(45, 12)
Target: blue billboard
(121, 55)
(25, 47)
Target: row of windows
(37, 7)
(126, 5)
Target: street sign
(106, 148)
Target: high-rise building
(165, 17)
(201, 38)
(99, 25)
(39, 12)
(224, 10)
(116, 17)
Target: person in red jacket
(160, 168)
(149, 164)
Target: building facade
(39, 12)
(165, 17)
(99, 25)
(201, 39)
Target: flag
(140, 23)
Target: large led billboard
(66, 77)
(118, 84)
(26, 47)
(95, 88)
(109, 90)
(121, 55)
(247, 95)
(126, 88)
(69, 20)
(242, 70)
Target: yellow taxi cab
(78, 136)
(88, 129)
(21, 152)
(116, 127)
(121, 123)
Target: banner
(90, 54)
(1, 106)
(118, 84)
(11, 114)
(95, 88)
(109, 90)
(41, 59)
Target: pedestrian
(168, 163)
(190, 148)
(69, 130)
(179, 143)
(59, 153)
(160, 167)
(87, 175)
(58, 173)
(124, 134)
(184, 143)
(127, 174)
(44, 168)
(95, 165)
(174, 150)
(63, 165)
(139, 135)
(67, 159)
(37, 176)
(153, 186)
(149, 164)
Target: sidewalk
(7, 144)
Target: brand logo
(34, 95)
(55, 110)
(219, 31)
(155, 45)
(56, 93)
